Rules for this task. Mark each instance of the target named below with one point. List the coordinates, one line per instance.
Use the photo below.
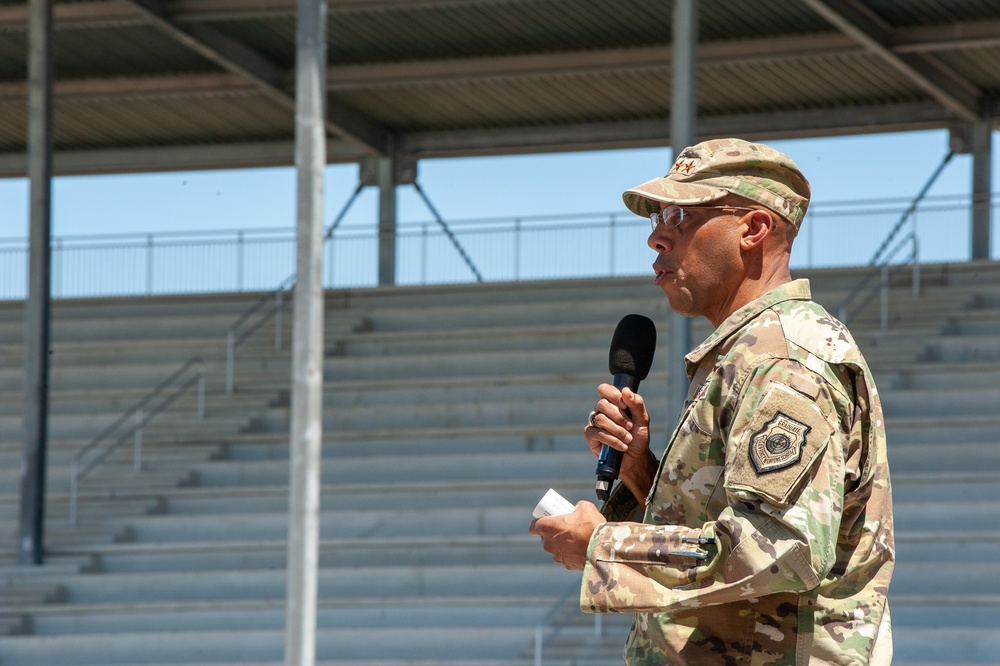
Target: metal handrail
(547, 622)
(140, 414)
(885, 271)
(236, 335)
(909, 212)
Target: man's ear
(757, 226)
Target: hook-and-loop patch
(778, 446)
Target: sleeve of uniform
(783, 484)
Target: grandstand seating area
(448, 412)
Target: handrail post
(885, 297)
(201, 391)
(598, 625)
(74, 480)
(539, 634)
(278, 320)
(137, 438)
(230, 360)
(916, 265)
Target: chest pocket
(688, 480)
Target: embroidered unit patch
(778, 444)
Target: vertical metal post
(884, 298)
(683, 115)
(74, 490)
(982, 157)
(239, 261)
(201, 392)
(517, 249)
(385, 177)
(137, 439)
(57, 262)
(423, 253)
(279, 320)
(149, 264)
(307, 337)
(539, 636)
(612, 232)
(36, 357)
(230, 360)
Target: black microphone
(631, 356)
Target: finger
(597, 437)
(636, 406)
(611, 413)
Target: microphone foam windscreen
(632, 346)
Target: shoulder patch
(775, 451)
(778, 444)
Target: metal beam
(173, 158)
(306, 455)
(578, 136)
(644, 133)
(862, 25)
(683, 123)
(981, 134)
(234, 56)
(36, 313)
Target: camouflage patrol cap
(713, 169)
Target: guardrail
(503, 249)
(130, 425)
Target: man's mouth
(661, 274)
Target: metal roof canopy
(144, 85)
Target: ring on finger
(590, 419)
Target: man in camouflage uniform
(763, 534)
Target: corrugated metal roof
(486, 76)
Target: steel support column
(982, 158)
(36, 357)
(385, 175)
(307, 342)
(683, 115)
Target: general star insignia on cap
(778, 444)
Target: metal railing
(130, 425)
(555, 621)
(866, 291)
(504, 249)
(252, 321)
(882, 259)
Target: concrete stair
(447, 413)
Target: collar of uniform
(790, 291)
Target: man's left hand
(567, 537)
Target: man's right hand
(629, 435)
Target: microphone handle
(609, 463)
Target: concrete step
(337, 553)
(469, 467)
(440, 522)
(936, 376)
(110, 618)
(945, 645)
(910, 457)
(256, 645)
(367, 582)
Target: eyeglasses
(673, 216)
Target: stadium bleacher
(448, 412)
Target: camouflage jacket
(767, 535)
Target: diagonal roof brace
(234, 56)
(951, 91)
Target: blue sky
(867, 167)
